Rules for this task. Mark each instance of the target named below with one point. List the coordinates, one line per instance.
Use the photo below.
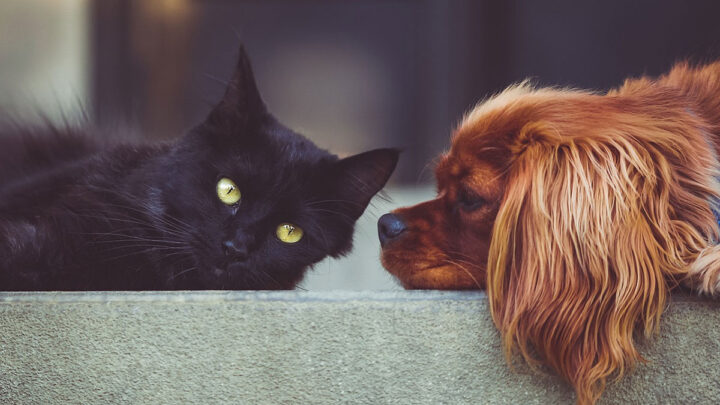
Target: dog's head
(576, 211)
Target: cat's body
(77, 214)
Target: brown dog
(578, 212)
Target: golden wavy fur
(579, 213)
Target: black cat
(240, 202)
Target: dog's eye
(470, 201)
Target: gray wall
(44, 57)
(423, 347)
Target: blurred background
(350, 75)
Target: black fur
(76, 214)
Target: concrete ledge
(301, 347)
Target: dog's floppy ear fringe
(588, 242)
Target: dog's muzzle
(390, 226)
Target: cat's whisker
(136, 248)
(172, 220)
(125, 244)
(113, 219)
(203, 242)
(318, 202)
(179, 262)
(146, 212)
(316, 230)
(119, 244)
(343, 215)
(145, 251)
(217, 79)
(146, 226)
(132, 237)
(268, 275)
(130, 234)
(176, 275)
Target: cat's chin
(234, 268)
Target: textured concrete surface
(321, 348)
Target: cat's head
(259, 202)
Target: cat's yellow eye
(227, 191)
(289, 233)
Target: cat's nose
(235, 250)
(390, 226)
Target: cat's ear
(241, 102)
(358, 178)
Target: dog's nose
(235, 250)
(390, 226)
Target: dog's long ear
(583, 243)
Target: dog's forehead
(479, 151)
(495, 122)
(487, 137)
(463, 165)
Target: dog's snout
(390, 226)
